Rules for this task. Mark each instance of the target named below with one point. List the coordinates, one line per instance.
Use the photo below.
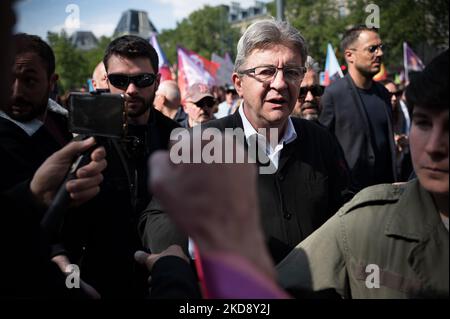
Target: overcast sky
(101, 16)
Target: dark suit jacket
(344, 115)
(308, 187)
(21, 155)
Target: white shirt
(29, 127)
(272, 152)
(32, 126)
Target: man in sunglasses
(401, 124)
(308, 102)
(358, 111)
(198, 104)
(109, 232)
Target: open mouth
(277, 101)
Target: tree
(74, 66)
(424, 24)
(205, 31)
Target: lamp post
(280, 10)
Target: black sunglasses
(397, 94)
(374, 48)
(121, 81)
(205, 103)
(316, 90)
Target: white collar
(289, 134)
(32, 126)
(29, 127)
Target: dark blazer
(344, 115)
(308, 187)
(106, 229)
(21, 155)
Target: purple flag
(411, 61)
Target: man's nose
(279, 81)
(132, 89)
(394, 99)
(379, 52)
(309, 96)
(437, 143)
(16, 87)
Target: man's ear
(348, 54)
(52, 81)
(237, 81)
(184, 106)
(159, 99)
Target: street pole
(280, 10)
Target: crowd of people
(355, 204)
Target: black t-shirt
(375, 109)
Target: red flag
(193, 68)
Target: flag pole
(405, 62)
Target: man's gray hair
(265, 34)
(311, 64)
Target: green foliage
(74, 66)
(205, 31)
(424, 24)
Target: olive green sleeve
(318, 262)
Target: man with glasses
(198, 105)
(308, 102)
(308, 179)
(357, 110)
(401, 124)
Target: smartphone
(99, 114)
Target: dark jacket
(345, 116)
(106, 229)
(21, 154)
(27, 272)
(308, 187)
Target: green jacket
(391, 235)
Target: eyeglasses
(397, 94)
(316, 90)
(121, 81)
(373, 48)
(266, 73)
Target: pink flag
(193, 68)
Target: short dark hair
(429, 88)
(25, 43)
(387, 81)
(131, 47)
(351, 35)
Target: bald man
(168, 101)
(100, 77)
